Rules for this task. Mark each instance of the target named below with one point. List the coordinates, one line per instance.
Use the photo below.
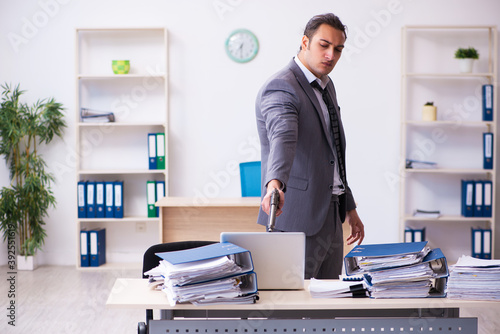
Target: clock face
(242, 46)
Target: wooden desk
(282, 309)
(195, 219)
(186, 218)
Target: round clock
(242, 46)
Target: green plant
(469, 52)
(24, 204)
(429, 104)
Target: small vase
(429, 113)
(26, 262)
(466, 65)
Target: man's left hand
(357, 227)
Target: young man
(303, 149)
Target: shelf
(450, 218)
(121, 76)
(119, 220)
(109, 151)
(121, 171)
(450, 75)
(118, 124)
(450, 123)
(429, 72)
(114, 266)
(449, 170)
(432, 27)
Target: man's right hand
(273, 184)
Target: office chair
(150, 261)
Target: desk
(290, 311)
(184, 218)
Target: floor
(56, 299)
(65, 300)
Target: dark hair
(328, 18)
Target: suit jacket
(297, 149)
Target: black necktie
(334, 121)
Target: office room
(184, 83)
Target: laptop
(278, 257)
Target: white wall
(212, 98)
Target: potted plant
(466, 57)
(429, 112)
(24, 204)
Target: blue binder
(118, 196)
(477, 243)
(109, 199)
(152, 150)
(82, 200)
(487, 198)
(487, 91)
(486, 250)
(478, 199)
(362, 252)
(467, 198)
(160, 193)
(414, 234)
(100, 196)
(488, 150)
(90, 199)
(84, 248)
(97, 247)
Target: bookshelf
(111, 151)
(429, 73)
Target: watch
(242, 45)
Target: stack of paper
(217, 273)
(336, 289)
(400, 270)
(476, 279)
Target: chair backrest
(250, 179)
(150, 260)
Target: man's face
(320, 53)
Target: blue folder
(467, 198)
(477, 243)
(82, 199)
(487, 198)
(160, 193)
(487, 91)
(109, 200)
(488, 150)
(351, 260)
(97, 247)
(118, 199)
(100, 196)
(478, 198)
(90, 196)
(152, 151)
(84, 248)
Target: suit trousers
(325, 249)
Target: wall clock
(242, 45)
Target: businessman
(303, 149)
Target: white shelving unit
(119, 150)
(454, 140)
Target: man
(303, 150)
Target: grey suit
(297, 150)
